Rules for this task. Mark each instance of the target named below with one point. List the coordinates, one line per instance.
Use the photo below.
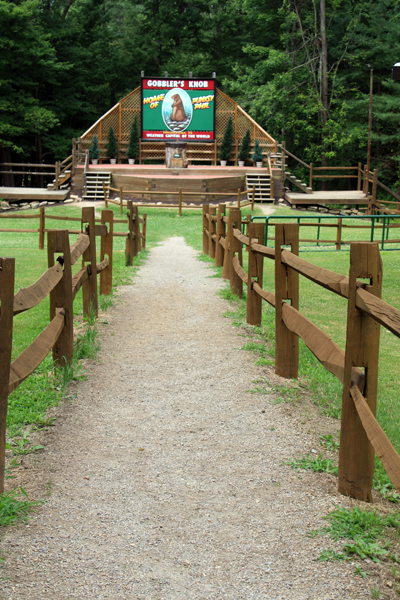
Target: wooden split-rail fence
(356, 368)
(180, 193)
(135, 238)
(58, 282)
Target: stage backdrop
(181, 109)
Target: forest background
(299, 67)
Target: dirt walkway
(166, 474)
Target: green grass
(13, 508)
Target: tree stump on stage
(175, 155)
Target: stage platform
(199, 179)
(326, 198)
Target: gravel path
(166, 475)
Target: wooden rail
(361, 435)
(58, 283)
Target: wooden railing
(180, 193)
(58, 282)
(136, 239)
(361, 435)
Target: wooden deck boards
(329, 197)
(31, 194)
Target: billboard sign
(178, 109)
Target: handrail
(295, 157)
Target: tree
(226, 145)
(133, 146)
(111, 144)
(245, 146)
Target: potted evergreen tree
(257, 155)
(112, 146)
(133, 146)
(94, 151)
(244, 149)
(226, 146)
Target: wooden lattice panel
(121, 117)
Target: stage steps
(262, 181)
(298, 183)
(94, 184)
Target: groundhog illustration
(178, 112)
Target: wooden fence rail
(132, 233)
(57, 282)
(356, 367)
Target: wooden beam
(31, 296)
(255, 274)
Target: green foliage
(257, 155)
(318, 464)
(226, 145)
(19, 446)
(94, 151)
(133, 146)
(244, 149)
(12, 509)
(111, 144)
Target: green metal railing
(373, 226)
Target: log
(78, 279)
(239, 270)
(31, 296)
(379, 310)
(79, 247)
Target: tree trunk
(6, 157)
(324, 81)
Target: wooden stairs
(94, 184)
(262, 182)
(298, 183)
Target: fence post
(144, 228)
(136, 229)
(255, 273)
(359, 172)
(212, 230)
(374, 191)
(57, 174)
(236, 283)
(286, 288)
(120, 201)
(234, 220)
(253, 196)
(130, 241)
(356, 455)
(238, 198)
(106, 250)
(219, 251)
(180, 201)
(366, 180)
(338, 234)
(41, 227)
(105, 194)
(61, 295)
(311, 175)
(89, 287)
(205, 225)
(7, 278)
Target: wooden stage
(15, 194)
(322, 198)
(143, 179)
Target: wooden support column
(7, 279)
(286, 288)
(130, 240)
(366, 180)
(339, 234)
(359, 172)
(41, 227)
(180, 201)
(236, 283)
(206, 208)
(311, 175)
(356, 455)
(120, 201)
(219, 251)
(61, 295)
(144, 228)
(106, 251)
(234, 220)
(238, 198)
(136, 229)
(213, 230)
(374, 191)
(255, 273)
(89, 287)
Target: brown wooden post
(234, 220)
(89, 287)
(206, 208)
(144, 228)
(106, 251)
(219, 251)
(366, 180)
(41, 227)
(57, 174)
(255, 273)
(130, 240)
(180, 201)
(212, 230)
(359, 172)
(238, 198)
(272, 189)
(286, 288)
(7, 279)
(61, 295)
(120, 201)
(311, 175)
(253, 197)
(374, 191)
(339, 234)
(105, 195)
(236, 283)
(283, 162)
(136, 230)
(356, 455)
